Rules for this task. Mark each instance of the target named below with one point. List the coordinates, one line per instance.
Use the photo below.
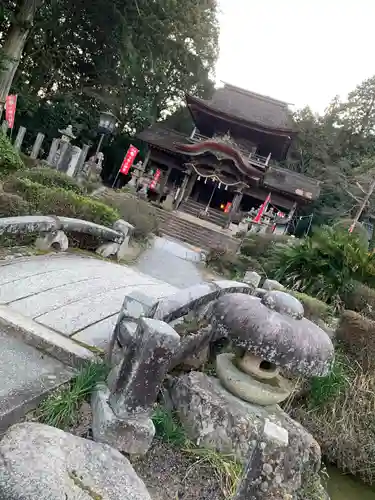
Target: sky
(301, 51)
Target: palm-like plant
(325, 265)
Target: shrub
(54, 201)
(314, 308)
(361, 298)
(227, 263)
(262, 245)
(139, 213)
(10, 160)
(357, 334)
(359, 230)
(324, 265)
(51, 178)
(12, 205)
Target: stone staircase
(194, 208)
(193, 233)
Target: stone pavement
(27, 376)
(172, 262)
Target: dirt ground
(169, 474)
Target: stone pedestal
(213, 418)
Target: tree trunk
(14, 43)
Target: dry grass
(345, 425)
(357, 333)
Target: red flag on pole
(155, 179)
(129, 159)
(10, 109)
(262, 209)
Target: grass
(225, 467)
(60, 409)
(324, 389)
(168, 428)
(344, 425)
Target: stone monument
(237, 412)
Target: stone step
(195, 208)
(197, 235)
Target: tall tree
(21, 22)
(136, 57)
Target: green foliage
(227, 263)
(139, 213)
(55, 201)
(12, 205)
(263, 245)
(51, 178)
(324, 265)
(359, 230)
(61, 408)
(10, 160)
(167, 427)
(324, 389)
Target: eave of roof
(195, 102)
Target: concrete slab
(27, 376)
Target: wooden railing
(251, 157)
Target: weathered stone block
(273, 285)
(45, 463)
(131, 435)
(145, 364)
(252, 278)
(55, 239)
(213, 418)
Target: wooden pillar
(235, 206)
(147, 159)
(190, 185)
(164, 182)
(181, 194)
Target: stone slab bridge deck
(60, 299)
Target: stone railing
(51, 232)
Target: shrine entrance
(211, 194)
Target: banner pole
(114, 182)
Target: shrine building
(231, 161)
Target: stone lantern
(270, 333)
(67, 134)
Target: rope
(216, 177)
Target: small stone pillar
(264, 475)
(81, 160)
(37, 145)
(75, 155)
(252, 278)
(4, 127)
(19, 139)
(121, 414)
(53, 151)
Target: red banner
(155, 179)
(262, 209)
(129, 159)
(10, 109)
